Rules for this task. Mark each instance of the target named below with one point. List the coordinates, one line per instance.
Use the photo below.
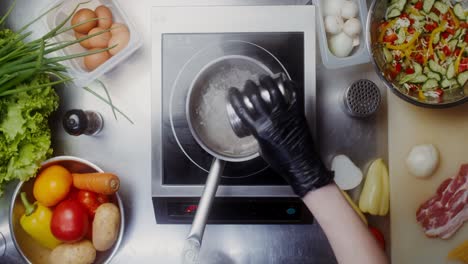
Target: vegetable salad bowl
(29, 249)
(447, 98)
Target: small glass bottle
(77, 122)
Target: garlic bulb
(333, 24)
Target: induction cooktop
(249, 192)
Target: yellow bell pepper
(433, 34)
(404, 46)
(457, 62)
(375, 194)
(36, 222)
(385, 28)
(460, 252)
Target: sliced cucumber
(400, 4)
(451, 71)
(436, 38)
(394, 12)
(401, 36)
(443, 8)
(452, 44)
(434, 17)
(417, 68)
(388, 55)
(433, 75)
(430, 84)
(419, 79)
(414, 1)
(462, 78)
(427, 5)
(440, 55)
(457, 33)
(446, 83)
(435, 67)
(459, 12)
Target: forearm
(348, 235)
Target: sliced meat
(444, 213)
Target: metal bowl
(30, 250)
(374, 18)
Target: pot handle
(193, 241)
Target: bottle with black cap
(77, 122)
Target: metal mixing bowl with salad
(424, 47)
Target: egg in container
(123, 36)
(342, 19)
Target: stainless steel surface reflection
(126, 149)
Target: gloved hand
(282, 133)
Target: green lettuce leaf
(25, 136)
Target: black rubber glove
(282, 133)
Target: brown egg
(120, 41)
(93, 61)
(105, 16)
(85, 43)
(118, 27)
(81, 16)
(101, 40)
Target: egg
(121, 40)
(118, 27)
(81, 16)
(105, 16)
(101, 40)
(85, 43)
(93, 61)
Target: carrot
(103, 183)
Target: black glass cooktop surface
(184, 55)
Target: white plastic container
(359, 55)
(76, 69)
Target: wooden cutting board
(410, 125)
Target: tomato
(398, 68)
(419, 58)
(446, 51)
(91, 201)
(439, 92)
(466, 38)
(463, 65)
(390, 38)
(457, 52)
(445, 35)
(378, 236)
(464, 25)
(52, 185)
(418, 5)
(431, 27)
(411, 30)
(70, 221)
(451, 31)
(409, 71)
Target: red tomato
(466, 38)
(431, 27)
(464, 25)
(70, 221)
(439, 92)
(446, 51)
(445, 35)
(418, 5)
(457, 51)
(390, 38)
(378, 236)
(451, 31)
(409, 71)
(398, 68)
(411, 30)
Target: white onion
(341, 45)
(347, 175)
(352, 27)
(349, 9)
(422, 160)
(333, 24)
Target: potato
(81, 252)
(106, 226)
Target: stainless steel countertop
(126, 149)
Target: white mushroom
(341, 45)
(349, 9)
(332, 7)
(352, 27)
(333, 24)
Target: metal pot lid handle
(193, 241)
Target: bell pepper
(441, 28)
(36, 222)
(385, 28)
(375, 194)
(460, 253)
(406, 45)
(457, 62)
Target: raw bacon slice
(444, 213)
